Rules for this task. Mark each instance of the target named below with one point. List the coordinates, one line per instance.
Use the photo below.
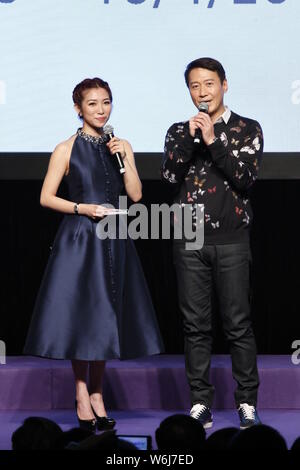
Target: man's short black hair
(205, 63)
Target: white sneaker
(248, 416)
(203, 414)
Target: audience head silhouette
(221, 439)
(107, 442)
(181, 433)
(259, 437)
(37, 434)
(296, 446)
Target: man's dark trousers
(227, 268)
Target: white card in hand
(116, 212)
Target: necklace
(91, 138)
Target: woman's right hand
(93, 210)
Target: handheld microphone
(203, 108)
(109, 130)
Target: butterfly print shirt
(217, 176)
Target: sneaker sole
(249, 426)
(208, 425)
(245, 427)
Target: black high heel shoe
(87, 424)
(104, 423)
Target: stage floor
(155, 383)
(141, 393)
(142, 422)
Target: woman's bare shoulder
(66, 145)
(62, 153)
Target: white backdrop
(141, 47)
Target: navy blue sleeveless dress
(93, 303)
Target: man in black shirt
(216, 172)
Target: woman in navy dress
(93, 303)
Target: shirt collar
(225, 116)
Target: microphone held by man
(203, 108)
